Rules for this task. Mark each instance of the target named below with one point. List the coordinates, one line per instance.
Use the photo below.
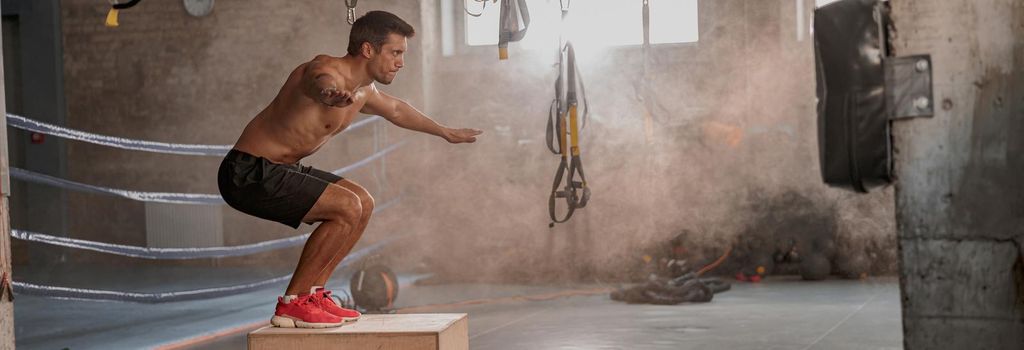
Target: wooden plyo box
(376, 332)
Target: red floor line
(208, 337)
(255, 325)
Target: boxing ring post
(6, 300)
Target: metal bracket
(908, 87)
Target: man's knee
(368, 204)
(365, 199)
(349, 210)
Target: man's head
(380, 37)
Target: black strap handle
(126, 5)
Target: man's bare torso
(295, 125)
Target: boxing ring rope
(172, 253)
(27, 124)
(162, 197)
(163, 297)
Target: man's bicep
(379, 103)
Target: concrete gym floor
(780, 313)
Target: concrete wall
(960, 202)
(732, 154)
(163, 75)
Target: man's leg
(367, 203)
(339, 211)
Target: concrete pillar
(37, 92)
(959, 191)
(6, 305)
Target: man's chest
(337, 119)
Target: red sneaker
(328, 304)
(303, 312)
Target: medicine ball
(853, 265)
(374, 288)
(815, 267)
(761, 264)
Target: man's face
(384, 65)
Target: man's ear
(367, 50)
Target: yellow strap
(575, 131)
(112, 17)
(562, 137)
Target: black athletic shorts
(268, 190)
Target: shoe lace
(309, 299)
(326, 296)
(318, 298)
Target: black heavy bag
(853, 126)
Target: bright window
(591, 22)
(820, 3)
(482, 30)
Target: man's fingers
(469, 135)
(472, 132)
(337, 98)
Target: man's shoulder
(323, 58)
(321, 63)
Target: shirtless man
(262, 176)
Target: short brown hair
(374, 28)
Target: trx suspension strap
(351, 5)
(564, 119)
(575, 192)
(114, 8)
(512, 13)
(647, 24)
(559, 105)
(483, 7)
(643, 93)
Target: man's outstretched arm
(402, 114)
(323, 84)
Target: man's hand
(333, 97)
(461, 135)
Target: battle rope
(715, 263)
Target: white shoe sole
(288, 322)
